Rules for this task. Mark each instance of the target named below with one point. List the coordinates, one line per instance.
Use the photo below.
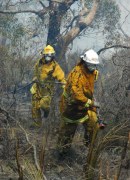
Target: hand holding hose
(91, 103)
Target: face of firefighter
(48, 57)
(91, 67)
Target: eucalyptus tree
(65, 20)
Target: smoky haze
(96, 39)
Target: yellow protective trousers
(68, 129)
(39, 104)
(40, 101)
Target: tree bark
(83, 20)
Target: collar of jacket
(86, 71)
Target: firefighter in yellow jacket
(46, 71)
(77, 102)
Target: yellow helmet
(48, 50)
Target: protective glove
(35, 80)
(96, 104)
(63, 86)
(63, 82)
(33, 89)
(91, 103)
(88, 103)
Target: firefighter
(46, 71)
(77, 103)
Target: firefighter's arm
(75, 79)
(34, 79)
(59, 74)
(92, 103)
(33, 89)
(78, 94)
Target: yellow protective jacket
(79, 87)
(45, 74)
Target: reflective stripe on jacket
(81, 120)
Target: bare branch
(7, 4)
(119, 26)
(6, 113)
(43, 5)
(3, 111)
(125, 18)
(114, 46)
(16, 3)
(69, 2)
(38, 13)
(17, 12)
(70, 25)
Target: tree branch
(17, 12)
(3, 111)
(119, 26)
(16, 3)
(87, 20)
(69, 2)
(82, 22)
(114, 46)
(42, 4)
(38, 13)
(8, 116)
